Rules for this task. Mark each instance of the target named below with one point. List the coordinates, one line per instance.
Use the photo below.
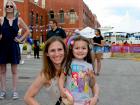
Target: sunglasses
(7, 6)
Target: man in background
(55, 30)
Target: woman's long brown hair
(49, 69)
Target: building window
(61, 15)
(51, 15)
(36, 18)
(31, 18)
(43, 3)
(41, 20)
(73, 16)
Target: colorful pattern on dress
(79, 78)
(78, 82)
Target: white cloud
(105, 10)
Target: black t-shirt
(58, 32)
(97, 39)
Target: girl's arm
(29, 97)
(95, 88)
(95, 98)
(61, 84)
(96, 91)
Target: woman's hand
(19, 40)
(0, 36)
(95, 43)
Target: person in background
(109, 46)
(29, 46)
(9, 46)
(54, 56)
(55, 30)
(98, 43)
(78, 74)
(36, 49)
(106, 47)
(112, 48)
(21, 46)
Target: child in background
(78, 75)
(21, 45)
(29, 43)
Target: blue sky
(111, 12)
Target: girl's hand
(93, 101)
(90, 73)
(0, 36)
(62, 93)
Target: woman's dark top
(97, 39)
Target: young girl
(80, 79)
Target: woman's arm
(0, 29)
(29, 97)
(24, 28)
(102, 43)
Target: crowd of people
(69, 67)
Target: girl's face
(56, 53)
(9, 7)
(80, 49)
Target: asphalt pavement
(119, 82)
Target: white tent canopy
(87, 32)
(128, 25)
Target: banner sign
(128, 49)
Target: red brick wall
(1, 8)
(28, 6)
(25, 9)
(79, 6)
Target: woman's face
(96, 32)
(9, 7)
(56, 52)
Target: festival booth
(87, 32)
(128, 26)
(90, 33)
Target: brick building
(70, 14)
